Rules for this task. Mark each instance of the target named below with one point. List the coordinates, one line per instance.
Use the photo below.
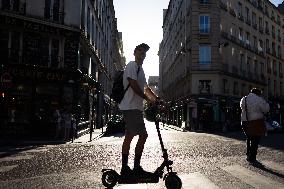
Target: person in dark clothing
(253, 109)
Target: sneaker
(125, 171)
(256, 163)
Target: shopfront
(30, 96)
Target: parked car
(273, 126)
(115, 124)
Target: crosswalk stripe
(35, 150)
(16, 158)
(253, 179)
(196, 181)
(7, 168)
(128, 186)
(274, 166)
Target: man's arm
(135, 87)
(149, 95)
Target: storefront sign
(36, 74)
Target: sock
(124, 160)
(137, 160)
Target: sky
(141, 21)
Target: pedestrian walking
(132, 109)
(253, 109)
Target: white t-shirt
(131, 100)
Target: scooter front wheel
(172, 181)
(109, 179)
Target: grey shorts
(134, 122)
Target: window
(47, 9)
(236, 88)
(204, 86)
(281, 88)
(248, 38)
(83, 15)
(261, 68)
(240, 9)
(253, 18)
(204, 24)
(248, 64)
(247, 14)
(225, 86)
(267, 45)
(255, 67)
(241, 34)
(260, 22)
(280, 67)
(88, 22)
(241, 62)
(56, 6)
(204, 54)
(268, 65)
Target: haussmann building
(212, 53)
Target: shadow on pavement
(272, 140)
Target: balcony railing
(18, 8)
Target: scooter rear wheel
(172, 181)
(109, 179)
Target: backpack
(118, 91)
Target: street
(201, 160)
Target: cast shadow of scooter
(268, 170)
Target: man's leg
(139, 149)
(248, 148)
(254, 146)
(125, 148)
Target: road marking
(7, 168)
(274, 166)
(127, 186)
(35, 150)
(16, 158)
(253, 179)
(196, 181)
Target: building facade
(56, 55)
(213, 53)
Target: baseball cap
(142, 45)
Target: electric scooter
(110, 177)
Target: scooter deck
(151, 178)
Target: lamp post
(279, 108)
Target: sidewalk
(84, 138)
(96, 134)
